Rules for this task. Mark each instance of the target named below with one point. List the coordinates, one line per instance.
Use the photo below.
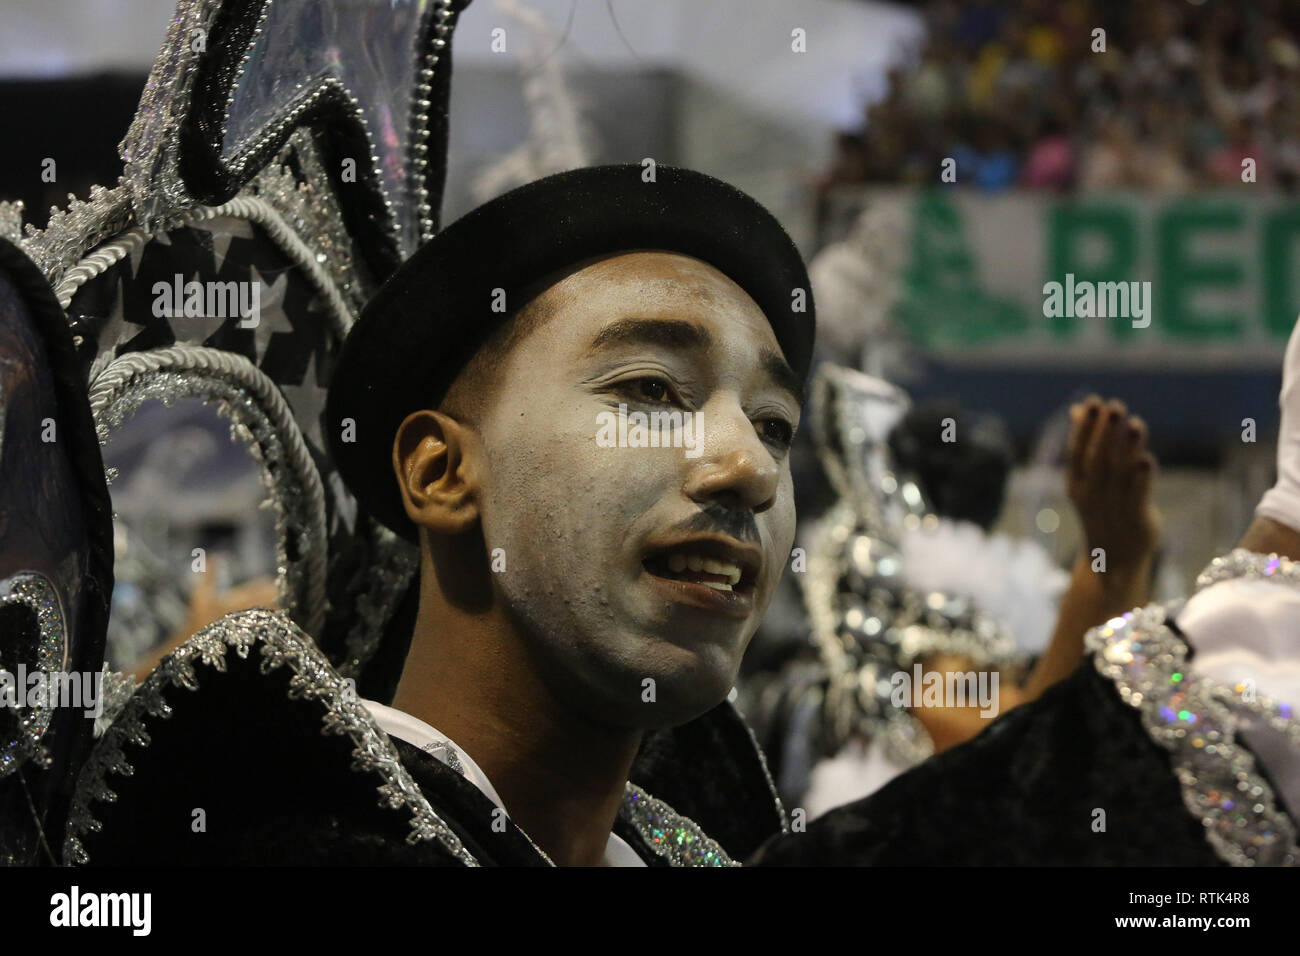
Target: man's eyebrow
(779, 370)
(679, 334)
(668, 333)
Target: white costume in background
(1248, 631)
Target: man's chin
(690, 685)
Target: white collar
(417, 733)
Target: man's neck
(561, 776)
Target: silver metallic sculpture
(866, 622)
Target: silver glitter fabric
(151, 149)
(116, 690)
(281, 644)
(71, 232)
(1197, 720)
(676, 838)
(35, 592)
(262, 422)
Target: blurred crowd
(1019, 94)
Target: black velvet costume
(1023, 792)
(248, 748)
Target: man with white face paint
(586, 589)
(576, 594)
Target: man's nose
(736, 469)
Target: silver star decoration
(308, 403)
(345, 506)
(222, 232)
(116, 331)
(272, 317)
(194, 329)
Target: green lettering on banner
(1070, 226)
(1278, 242)
(1179, 273)
(943, 300)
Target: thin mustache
(718, 519)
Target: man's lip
(730, 603)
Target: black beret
(426, 322)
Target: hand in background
(1108, 479)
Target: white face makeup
(640, 560)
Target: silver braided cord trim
(261, 212)
(251, 208)
(99, 262)
(1197, 720)
(282, 644)
(262, 421)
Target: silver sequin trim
(34, 591)
(1194, 719)
(676, 838)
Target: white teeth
(678, 562)
(723, 567)
(717, 585)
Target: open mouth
(691, 564)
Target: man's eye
(649, 388)
(779, 431)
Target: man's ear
(436, 477)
